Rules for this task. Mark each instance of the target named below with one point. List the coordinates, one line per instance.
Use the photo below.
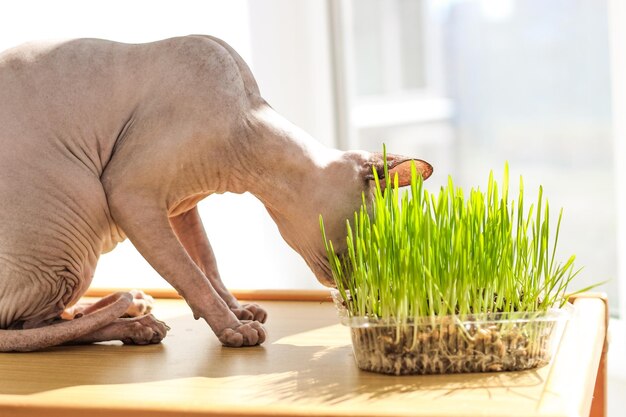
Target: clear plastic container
(455, 344)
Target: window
(468, 85)
(388, 40)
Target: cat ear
(400, 166)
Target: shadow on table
(322, 380)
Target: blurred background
(464, 84)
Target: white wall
(136, 21)
(291, 61)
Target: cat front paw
(248, 333)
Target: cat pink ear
(400, 166)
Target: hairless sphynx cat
(100, 141)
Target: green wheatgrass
(449, 253)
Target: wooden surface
(305, 368)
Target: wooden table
(305, 368)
